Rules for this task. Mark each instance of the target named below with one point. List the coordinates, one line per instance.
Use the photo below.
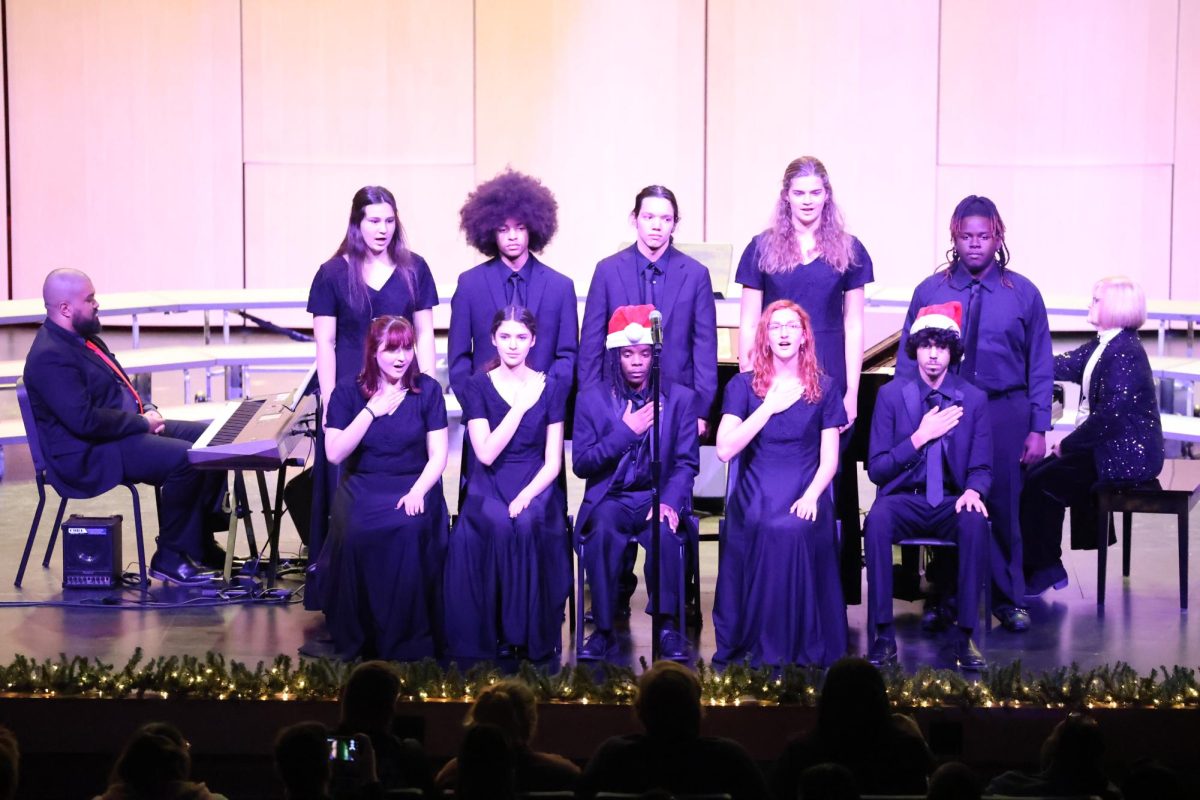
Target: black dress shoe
(171, 567)
(1015, 620)
(597, 646)
(967, 655)
(882, 652)
(1043, 580)
(673, 645)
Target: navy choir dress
(779, 597)
(329, 296)
(384, 568)
(507, 579)
(818, 288)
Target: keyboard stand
(272, 515)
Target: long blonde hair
(764, 364)
(779, 247)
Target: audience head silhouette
(668, 701)
(485, 765)
(10, 759)
(302, 760)
(854, 704)
(955, 781)
(369, 698)
(510, 706)
(154, 764)
(828, 782)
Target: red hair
(392, 333)
(763, 362)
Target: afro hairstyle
(509, 195)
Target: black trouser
(901, 516)
(1050, 486)
(187, 494)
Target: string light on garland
(212, 677)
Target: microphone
(656, 327)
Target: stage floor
(1141, 623)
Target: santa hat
(943, 317)
(629, 325)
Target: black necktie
(650, 284)
(514, 290)
(933, 462)
(971, 340)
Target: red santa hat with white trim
(629, 326)
(943, 317)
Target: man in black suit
(653, 272)
(508, 219)
(96, 431)
(930, 455)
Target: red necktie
(113, 366)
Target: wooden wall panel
(598, 99)
(1185, 232)
(854, 84)
(5, 288)
(1068, 226)
(296, 217)
(125, 123)
(374, 82)
(1049, 82)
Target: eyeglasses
(790, 327)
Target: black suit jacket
(480, 294)
(602, 439)
(1123, 429)
(898, 412)
(79, 404)
(689, 356)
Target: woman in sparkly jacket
(1118, 433)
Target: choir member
(507, 569)
(372, 274)
(779, 597)
(386, 555)
(508, 219)
(1117, 437)
(652, 271)
(808, 257)
(931, 457)
(1007, 354)
(613, 426)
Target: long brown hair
(779, 247)
(355, 249)
(393, 333)
(764, 363)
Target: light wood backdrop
(217, 143)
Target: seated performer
(779, 597)
(612, 453)
(1117, 437)
(507, 568)
(387, 546)
(931, 457)
(96, 431)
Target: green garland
(211, 677)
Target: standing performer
(779, 597)
(1006, 353)
(931, 456)
(372, 274)
(807, 256)
(613, 424)
(1117, 437)
(386, 556)
(652, 272)
(507, 571)
(96, 431)
(508, 219)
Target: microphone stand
(655, 495)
